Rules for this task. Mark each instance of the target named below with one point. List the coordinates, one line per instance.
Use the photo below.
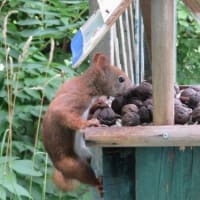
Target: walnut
(101, 110)
(182, 113)
(130, 119)
(141, 92)
(196, 115)
(190, 97)
(118, 103)
(129, 108)
(145, 114)
(135, 101)
(106, 116)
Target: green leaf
(5, 159)
(36, 11)
(2, 193)
(8, 181)
(29, 22)
(33, 93)
(25, 167)
(21, 191)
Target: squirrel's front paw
(93, 122)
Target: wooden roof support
(194, 6)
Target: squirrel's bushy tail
(63, 183)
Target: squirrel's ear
(101, 60)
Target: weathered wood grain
(117, 12)
(146, 136)
(194, 6)
(119, 173)
(163, 60)
(167, 173)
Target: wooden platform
(144, 136)
(136, 171)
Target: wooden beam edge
(117, 12)
(143, 136)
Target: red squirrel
(67, 115)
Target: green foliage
(188, 47)
(34, 61)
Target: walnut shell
(145, 115)
(141, 92)
(182, 114)
(106, 116)
(118, 103)
(188, 92)
(129, 108)
(196, 115)
(130, 119)
(135, 101)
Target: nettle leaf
(21, 191)
(33, 82)
(33, 11)
(24, 116)
(29, 22)
(6, 159)
(39, 32)
(25, 167)
(9, 182)
(21, 146)
(22, 96)
(49, 92)
(2, 193)
(33, 93)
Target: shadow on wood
(118, 173)
(167, 174)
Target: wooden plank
(194, 6)
(118, 173)
(163, 60)
(167, 174)
(146, 136)
(104, 45)
(117, 12)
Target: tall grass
(34, 61)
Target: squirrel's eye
(121, 79)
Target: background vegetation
(34, 61)
(188, 47)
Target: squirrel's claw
(99, 187)
(93, 122)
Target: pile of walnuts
(136, 107)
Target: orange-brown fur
(64, 119)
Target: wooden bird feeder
(145, 162)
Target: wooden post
(163, 60)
